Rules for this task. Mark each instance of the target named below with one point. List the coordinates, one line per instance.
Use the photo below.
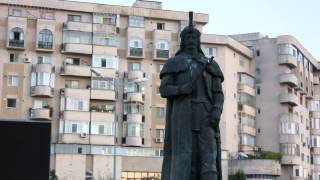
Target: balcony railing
(137, 52)
(45, 45)
(162, 53)
(16, 43)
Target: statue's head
(190, 37)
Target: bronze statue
(192, 85)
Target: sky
(270, 17)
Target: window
(74, 18)
(183, 24)
(163, 45)
(209, 52)
(160, 26)
(159, 67)
(136, 21)
(13, 80)
(134, 129)
(77, 37)
(11, 103)
(160, 112)
(72, 84)
(246, 99)
(44, 60)
(102, 128)
(136, 43)
(13, 57)
(258, 90)
(133, 108)
(16, 37)
(45, 39)
(105, 61)
(42, 79)
(290, 149)
(110, 19)
(17, 12)
(73, 61)
(160, 134)
(39, 104)
(133, 87)
(246, 79)
(248, 140)
(134, 66)
(247, 120)
(106, 84)
(77, 104)
(297, 172)
(76, 127)
(289, 128)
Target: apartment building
(92, 70)
(287, 102)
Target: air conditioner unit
(159, 140)
(83, 135)
(27, 60)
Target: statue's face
(191, 41)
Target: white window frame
(13, 80)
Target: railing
(162, 53)
(16, 43)
(136, 52)
(45, 45)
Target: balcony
(77, 26)
(43, 67)
(134, 97)
(287, 98)
(288, 60)
(289, 117)
(45, 46)
(290, 79)
(247, 109)
(134, 118)
(101, 139)
(315, 150)
(133, 141)
(75, 70)
(162, 54)
(135, 53)
(84, 93)
(135, 74)
(85, 49)
(100, 94)
(102, 116)
(315, 131)
(42, 91)
(246, 89)
(248, 130)
(255, 167)
(76, 115)
(40, 114)
(290, 160)
(289, 138)
(17, 44)
(315, 114)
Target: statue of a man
(192, 85)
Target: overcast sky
(270, 17)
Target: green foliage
(267, 155)
(239, 175)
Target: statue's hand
(215, 117)
(185, 89)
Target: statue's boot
(209, 176)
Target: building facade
(92, 70)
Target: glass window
(134, 129)
(159, 67)
(17, 12)
(290, 149)
(72, 84)
(134, 66)
(160, 112)
(248, 140)
(136, 21)
(45, 39)
(247, 120)
(315, 123)
(160, 133)
(13, 80)
(136, 43)
(44, 60)
(74, 18)
(163, 45)
(16, 37)
(102, 128)
(289, 128)
(76, 127)
(247, 99)
(106, 84)
(42, 79)
(133, 87)
(210, 51)
(11, 103)
(246, 79)
(73, 61)
(105, 61)
(133, 108)
(77, 104)
(183, 24)
(160, 26)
